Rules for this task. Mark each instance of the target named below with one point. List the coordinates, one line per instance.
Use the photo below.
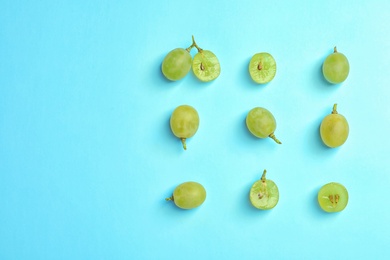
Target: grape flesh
(206, 66)
(333, 197)
(184, 122)
(264, 193)
(261, 123)
(176, 64)
(335, 67)
(262, 67)
(188, 195)
(334, 129)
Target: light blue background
(87, 157)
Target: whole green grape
(335, 67)
(261, 123)
(184, 123)
(334, 129)
(176, 64)
(264, 194)
(188, 195)
(333, 197)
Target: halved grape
(262, 67)
(335, 67)
(184, 123)
(264, 193)
(188, 195)
(333, 197)
(176, 64)
(205, 65)
(261, 123)
(334, 129)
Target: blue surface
(87, 157)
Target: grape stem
(183, 141)
(170, 198)
(275, 139)
(335, 49)
(263, 180)
(334, 111)
(263, 176)
(194, 45)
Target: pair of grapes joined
(184, 122)
(178, 63)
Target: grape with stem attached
(184, 123)
(188, 195)
(334, 129)
(261, 123)
(264, 193)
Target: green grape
(334, 129)
(206, 66)
(188, 195)
(264, 193)
(335, 67)
(261, 123)
(333, 197)
(176, 64)
(262, 67)
(184, 123)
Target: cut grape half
(262, 67)
(264, 193)
(205, 66)
(188, 195)
(333, 197)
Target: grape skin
(176, 64)
(189, 195)
(261, 123)
(335, 67)
(334, 129)
(184, 122)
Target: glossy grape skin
(261, 123)
(334, 129)
(262, 67)
(264, 194)
(335, 67)
(333, 197)
(176, 64)
(188, 195)
(206, 66)
(184, 122)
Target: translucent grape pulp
(262, 67)
(264, 193)
(206, 66)
(333, 197)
